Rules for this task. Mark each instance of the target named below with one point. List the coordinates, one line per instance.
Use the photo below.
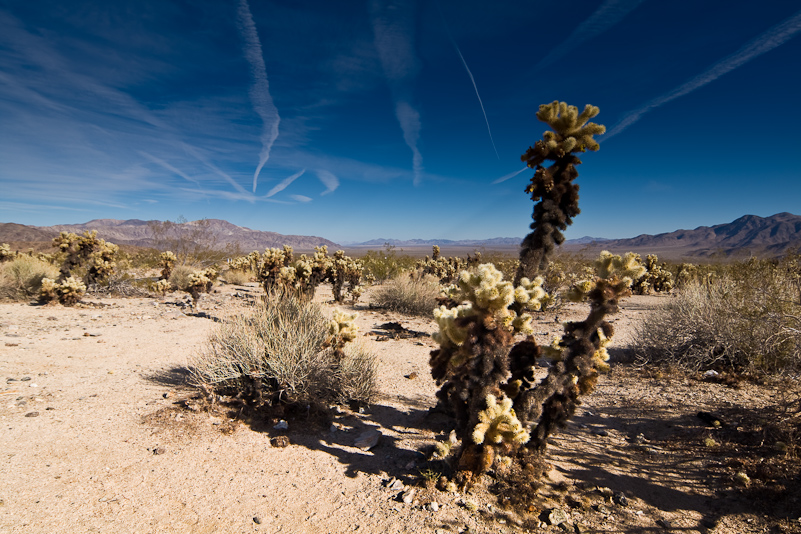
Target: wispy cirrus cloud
(775, 36)
(607, 15)
(393, 30)
(508, 176)
(283, 184)
(260, 90)
(472, 79)
(329, 180)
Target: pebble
(557, 516)
(432, 506)
(159, 450)
(281, 425)
(408, 496)
(395, 485)
(32, 414)
(257, 520)
(664, 523)
(600, 432)
(620, 499)
(368, 439)
(280, 442)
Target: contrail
(330, 181)
(201, 158)
(162, 163)
(775, 36)
(392, 30)
(610, 13)
(284, 183)
(472, 79)
(508, 176)
(260, 90)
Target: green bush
(381, 266)
(286, 351)
(746, 317)
(21, 278)
(409, 294)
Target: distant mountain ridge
(775, 235)
(139, 233)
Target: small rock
(606, 492)
(566, 527)
(280, 441)
(368, 439)
(711, 374)
(664, 523)
(257, 520)
(281, 425)
(411, 376)
(159, 450)
(601, 509)
(33, 385)
(12, 344)
(395, 485)
(620, 499)
(600, 432)
(432, 506)
(408, 496)
(333, 428)
(32, 414)
(557, 516)
(25, 379)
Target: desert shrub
(748, 317)
(237, 277)
(387, 264)
(21, 278)
(286, 351)
(179, 277)
(410, 294)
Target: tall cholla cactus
(95, 256)
(6, 254)
(552, 187)
(487, 381)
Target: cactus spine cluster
(552, 187)
(94, 256)
(487, 381)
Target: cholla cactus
(342, 270)
(657, 278)
(202, 282)
(161, 287)
(572, 133)
(446, 269)
(68, 292)
(487, 381)
(167, 262)
(6, 254)
(341, 330)
(95, 255)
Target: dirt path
(94, 439)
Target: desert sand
(100, 433)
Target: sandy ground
(95, 438)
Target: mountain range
(775, 235)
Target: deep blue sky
(361, 119)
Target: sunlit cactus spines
(552, 187)
(67, 292)
(95, 256)
(6, 254)
(342, 329)
(161, 287)
(167, 262)
(498, 423)
(657, 279)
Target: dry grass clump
(21, 278)
(746, 318)
(409, 294)
(180, 277)
(283, 352)
(237, 277)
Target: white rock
(281, 425)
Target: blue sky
(395, 119)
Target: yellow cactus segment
(626, 268)
(343, 327)
(601, 356)
(498, 423)
(579, 290)
(450, 334)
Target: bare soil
(100, 433)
